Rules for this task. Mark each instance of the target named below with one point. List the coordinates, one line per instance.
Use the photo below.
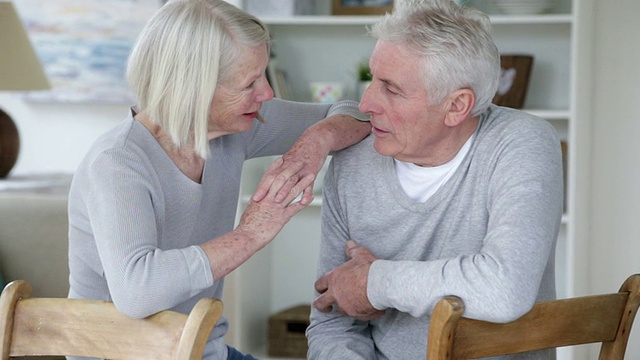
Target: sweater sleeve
(332, 335)
(142, 277)
(502, 280)
(286, 120)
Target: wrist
(248, 238)
(321, 137)
(376, 288)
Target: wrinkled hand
(265, 218)
(293, 173)
(345, 287)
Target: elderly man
(451, 195)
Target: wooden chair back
(605, 319)
(93, 328)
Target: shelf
(320, 20)
(531, 19)
(368, 20)
(549, 114)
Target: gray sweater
(487, 235)
(135, 220)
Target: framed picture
(361, 7)
(84, 46)
(514, 80)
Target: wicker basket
(286, 332)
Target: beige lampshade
(20, 68)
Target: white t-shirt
(420, 182)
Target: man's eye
(390, 90)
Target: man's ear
(460, 104)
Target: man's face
(405, 125)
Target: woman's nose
(265, 93)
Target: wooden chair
(605, 319)
(93, 328)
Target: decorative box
(286, 332)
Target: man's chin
(380, 147)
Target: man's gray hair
(183, 52)
(455, 43)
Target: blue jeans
(234, 354)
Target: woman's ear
(460, 104)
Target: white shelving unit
(324, 47)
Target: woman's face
(236, 102)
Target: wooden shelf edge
(346, 20)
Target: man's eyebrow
(391, 83)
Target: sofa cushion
(34, 243)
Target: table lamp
(20, 70)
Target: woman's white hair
(183, 52)
(455, 43)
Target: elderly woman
(152, 206)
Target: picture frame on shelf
(361, 7)
(514, 80)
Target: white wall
(615, 201)
(55, 137)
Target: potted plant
(364, 76)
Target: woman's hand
(264, 219)
(295, 172)
(259, 224)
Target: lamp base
(9, 144)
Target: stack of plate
(523, 7)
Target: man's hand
(345, 287)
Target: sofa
(33, 243)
